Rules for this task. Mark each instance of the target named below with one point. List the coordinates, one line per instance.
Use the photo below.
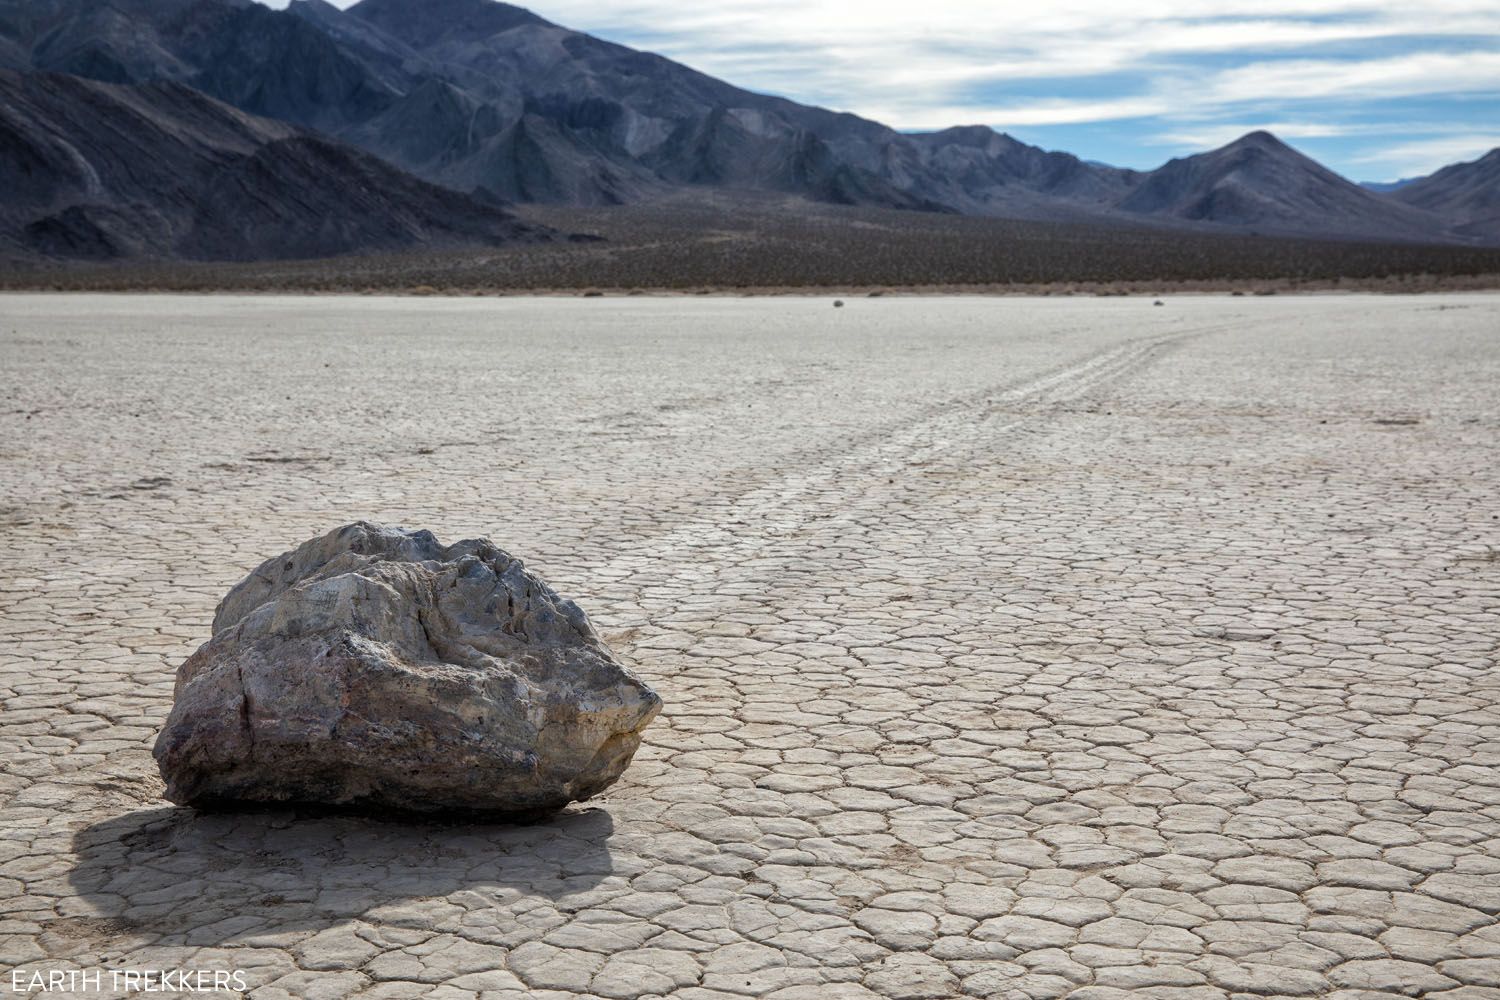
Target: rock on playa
(377, 668)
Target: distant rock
(376, 668)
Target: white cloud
(879, 46)
(915, 117)
(1417, 159)
(1185, 95)
(1413, 75)
(894, 53)
(1207, 135)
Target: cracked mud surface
(1010, 648)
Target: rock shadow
(181, 877)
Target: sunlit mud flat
(1010, 648)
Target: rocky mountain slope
(98, 171)
(1258, 182)
(1466, 194)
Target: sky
(1374, 90)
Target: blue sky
(1375, 90)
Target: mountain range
(452, 112)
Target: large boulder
(377, 668)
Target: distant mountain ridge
(491, 99)
(1259, 182)
(1466, 194)
(1385, 187)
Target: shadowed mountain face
(489, 98)
(1467, 194)
(99, 171)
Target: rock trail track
(1010, 648)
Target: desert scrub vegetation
(719, 243)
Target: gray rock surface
(375, 667)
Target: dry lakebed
(1018, 648)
